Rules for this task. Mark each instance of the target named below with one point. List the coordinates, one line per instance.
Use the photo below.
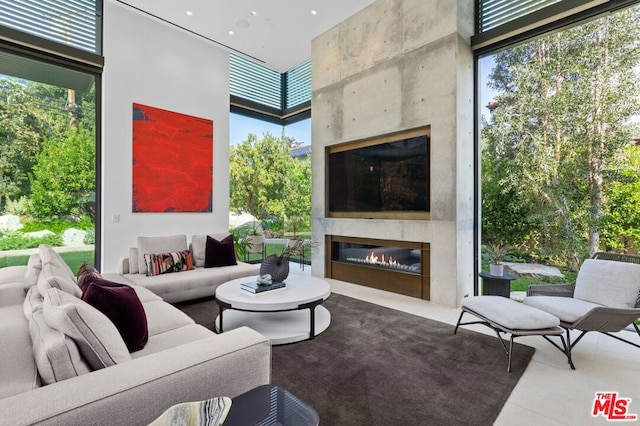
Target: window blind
(254, 82)
(71, 22)
(493, 13)
(298, 85)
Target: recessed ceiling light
(189, 13)
(314, 12)
(254, 13)
(231, 32)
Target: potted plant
(241, 242)
(495, 253)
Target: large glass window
(47, 160)
(560, 175)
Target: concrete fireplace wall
(398, 65)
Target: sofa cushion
(152, 245)
(219, 253)
(608, 282)
(56, 273)
(34, 267)
(57, 356)
(32, 302)
(165, 263)
(18, 371)
(145, 295)
(188, 285)
(172, 338)
(120, 303)
(54, 263)
(162, 317)
(97, 338)
(45, 282)
(12, 274)
(199, 245)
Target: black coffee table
(270, 405)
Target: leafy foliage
(268, 183)
(64, 176)
(14, 240)
(558, 131)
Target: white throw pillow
(155, 245)
(57, 356)
(97, 338)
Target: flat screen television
(388, 179)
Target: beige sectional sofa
(52, 340)
(186, 285)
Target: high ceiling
(275, 33)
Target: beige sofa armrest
(123, 265)
(138, 391)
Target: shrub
(13, 240)
(16, 207)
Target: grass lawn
(73, 258)
(521, 283)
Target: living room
(356, 85)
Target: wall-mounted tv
(384, 177)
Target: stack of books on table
(255, 288)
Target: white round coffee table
(286, 315)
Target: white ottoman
(508, 316)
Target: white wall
(152, 63)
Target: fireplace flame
(380, 260)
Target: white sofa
(181, 361)
(186, 285)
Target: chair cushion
(220, 253)
(57, 356)
(152, 245)
(97, 338)
(198, 246)
(509, 313)
(608, 282)
(120, 303)
(567, 309)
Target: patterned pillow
(85, 271)
(164, 263)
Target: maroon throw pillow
(219, 253)
(121, 304)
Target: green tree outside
(64, 176)
(267, 182)
(558, 132)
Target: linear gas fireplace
(397, 266)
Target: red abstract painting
(172, 161)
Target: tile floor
(549, 392)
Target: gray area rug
(379, 366)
